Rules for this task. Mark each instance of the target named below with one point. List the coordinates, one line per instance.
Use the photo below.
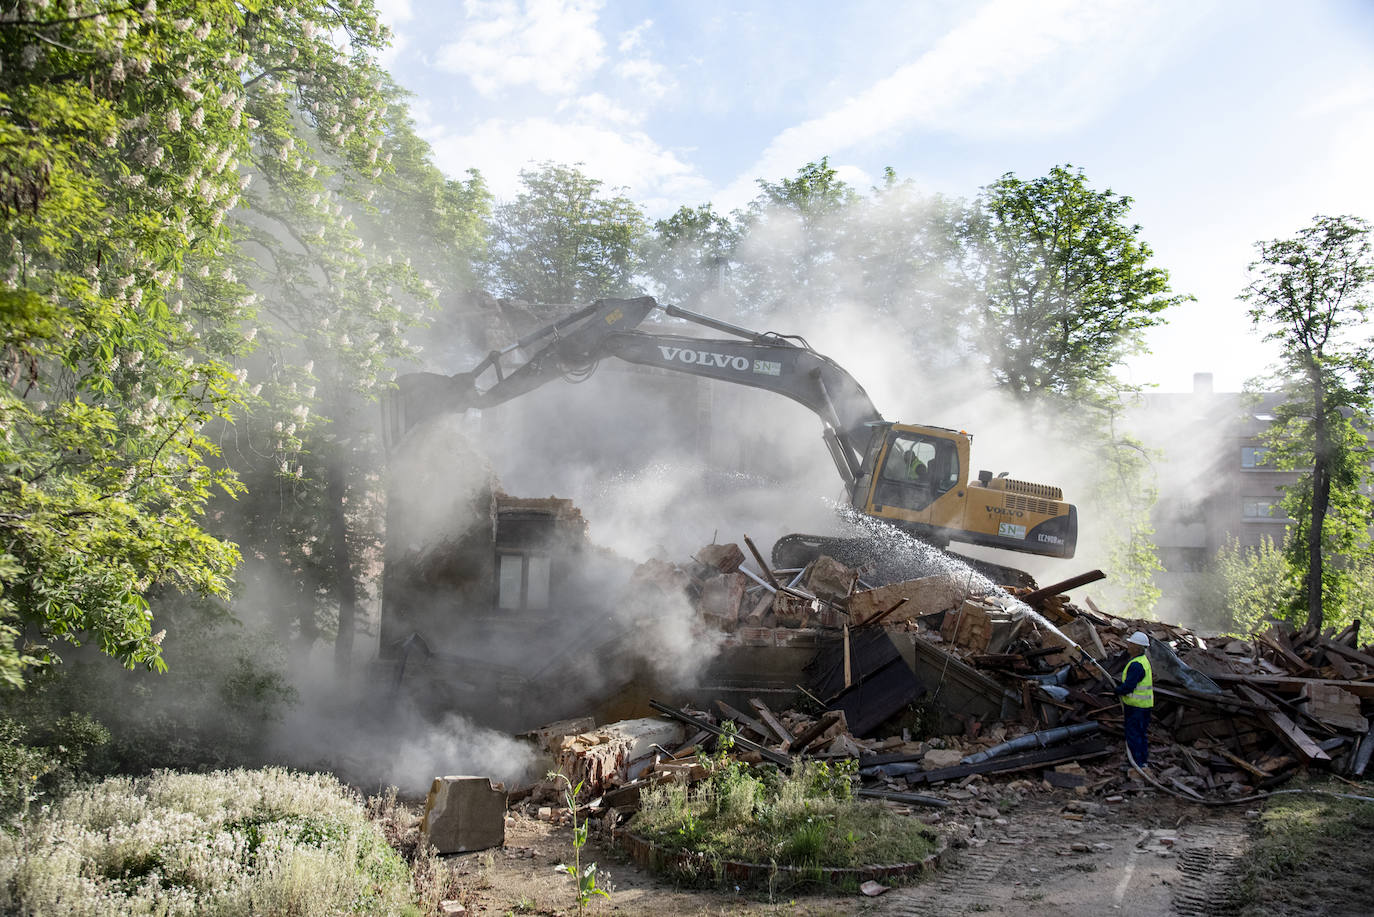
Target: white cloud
(551, 45)
(649, 78)
(617, 156)
(597, 107)
(394, 11)
(854, 176)
(633, 39)
(645, 76)
(1003, 42)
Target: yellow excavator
(915, 477)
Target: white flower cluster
(191, 825)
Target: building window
(1254, 508)
(522, 582)
(1253, 456)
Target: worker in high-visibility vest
(1137, 693)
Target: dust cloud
(661, 463)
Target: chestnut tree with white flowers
(186, 197)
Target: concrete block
(937, 758)
(463, 814)
(724, 557)
(829, 578)
(924, 596)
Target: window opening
(522, 582)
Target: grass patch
(808, 819)
(266, 842)
(1311, 855)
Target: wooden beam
(1284, 652)
(1332, 646)
(1286, 729)
(1241, 763)
(1364, 689)
(1082, 579)
(828, 719)
(772, 722)
(702, 723)
(758, 558)
(877, 618)
(743, 719)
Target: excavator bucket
(419, 396)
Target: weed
(805, 819)
(584, 877)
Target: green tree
(1066, 285)
(563, 241)
(1066, 289)
(1312, 295)
(1252, 586)
(690, 252)
(120, 139)
(794, 235)
(128, 141)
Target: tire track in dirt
(1207, 876)
(1141, 868)
(949, 895)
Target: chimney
(1202, 383)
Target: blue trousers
(1137, 724)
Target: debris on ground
(1020, 681)
(956, 703)
(464, 814)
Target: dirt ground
(1016, 847)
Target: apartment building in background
(1213, 481)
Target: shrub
(38, 763)
(224, 689)
(806, 819)
(266, 842)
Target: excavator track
(888, 562)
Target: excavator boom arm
(759, 360)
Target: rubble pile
(1026, 669)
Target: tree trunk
(345, 588)
(1321, 499)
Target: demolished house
(933, 680)
(985, 665)
(488, 599)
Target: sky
(1226, 121)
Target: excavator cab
(908, 475)
(917, 478)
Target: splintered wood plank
(1286, 729)
(1291, 683)
(1299, 664)
(703, 723)
(744, 720)
(771, 721)
(1332, 646)
(828, 719)
(1244, 765)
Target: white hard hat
(1138, 638)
